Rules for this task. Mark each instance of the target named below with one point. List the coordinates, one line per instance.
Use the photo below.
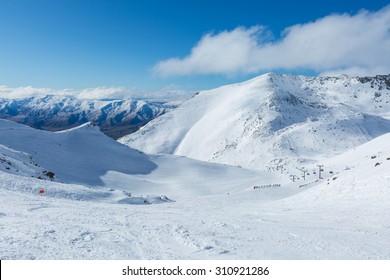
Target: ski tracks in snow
(52, 228)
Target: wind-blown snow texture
(272, 120)
(108, 201)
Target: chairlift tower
(304, 172)
(280, 167)
(319, 170)
(293, 177)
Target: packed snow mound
(272, 120)
(79, 155)
(149, 199)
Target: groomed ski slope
(186, 209)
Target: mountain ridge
(54, 113)
(272, 120)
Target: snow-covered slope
(115, 117)
(78, 155)
(216, 214)
(108, 201)
(84, 155)
(359, 176)
(20, 163)
(272, 120)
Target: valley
(273, 168)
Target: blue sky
(151, 44)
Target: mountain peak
(271, 119)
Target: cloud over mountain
(168, 93)
(356, 44)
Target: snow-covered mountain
(105, 200)
(272, 121)
(96, 207)
(84, 155)
(115, 117)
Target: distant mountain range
(264, 123)
(115, 118)
(272, 121)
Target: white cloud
(358, 71)
(226, 52)
(170, 93)
(340, 43)
(22, 92)
(106, 93)
(89, 93)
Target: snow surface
(272, 120)
(108, 201)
